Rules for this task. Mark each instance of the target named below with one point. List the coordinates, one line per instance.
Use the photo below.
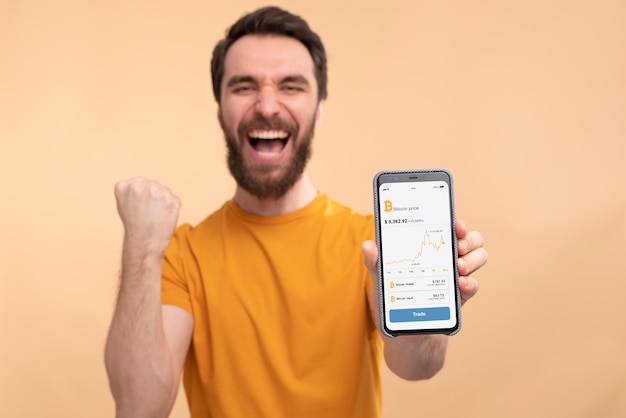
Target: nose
(267, 104)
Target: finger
(468, 287)
(127, 186)
(470, 241)
(120, 188)
(472, 261)
(371, 255)
(370, 251)
(461, 229)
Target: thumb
(370, 251)
(371, 255)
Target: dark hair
(271, 21)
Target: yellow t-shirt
(281, 323)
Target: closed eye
(294, 83)
(241, 84)
(292, 88)
(242, 88)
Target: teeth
(271, 134)
(267, 154)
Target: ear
(318, 114)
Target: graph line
(426, 242)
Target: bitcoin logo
(388, 206)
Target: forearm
(416, 357)
(138, 359)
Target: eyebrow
(299, 79)
(236, 79)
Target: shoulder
(334, 207)
(359, 223)
(187, 234)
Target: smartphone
(417, 252)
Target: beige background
(525, 102)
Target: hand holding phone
(417, 252)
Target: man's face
(268, 111)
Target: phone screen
(417, 253)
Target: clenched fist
(149, 212)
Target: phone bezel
(398, 176)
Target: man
(268, 305)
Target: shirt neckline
(312, 207)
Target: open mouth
(268, 143)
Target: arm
(147, 342)
(418, 357)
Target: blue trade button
(419, 314)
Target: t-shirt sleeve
(174, 288)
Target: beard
(257, 178)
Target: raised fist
(149, 212)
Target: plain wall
(524, 101)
